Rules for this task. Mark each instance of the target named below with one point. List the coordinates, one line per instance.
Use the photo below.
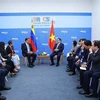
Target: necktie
(92, 62)
(91, 66)
(88, 57)
(12, 50)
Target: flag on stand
(33, 39)
(52, 40)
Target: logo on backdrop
(83, 31)
(4, 32)
(64, 31)
(14, 38)
(36, 38)
(24, 32)
(65, 43)
(42, 21)
(74, 37)
(44, 32)
(45, 44)
(17, 51)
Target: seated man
(94, 67)
(85, 65)
(2, 97)
(28, 52)
(94, 85)
(4, 70)
(58, 49)
(3, 73)
(99, 94)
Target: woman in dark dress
(8, 59)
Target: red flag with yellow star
(52, 40)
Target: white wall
(96, 20)
(56, 6)
(45, 5)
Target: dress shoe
(67, 66)
(79, 87)
(83, 92)
(16, 70)
(78, 79)
(57, 65)
(68, 70)
(2, 98)
(5, 88)
(30, 66)
(91, 95)
(73, 73)
(13, 74)
(33, 65)
(51, 64)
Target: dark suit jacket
(77, 51)
(95, 59)
(3, 51)
(24, 49)
(60, 47)
(84, 55)
(9, 51)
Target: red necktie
(12, 50)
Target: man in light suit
(58, 49)
(28, 52)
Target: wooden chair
(25, 60)
(61, 58)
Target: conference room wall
(45, 5)
(96, 20)
(68, 26)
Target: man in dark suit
(28, 52)
(3, 73)
(99, 94)
(87, 45)
(2, 83)
(58, 49)
(94, 67)
(8, 59)
(94, 85)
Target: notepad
(82, 68)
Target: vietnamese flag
(52, 40)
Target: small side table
(43, 57)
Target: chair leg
(25, 61)
(61, 59)
(6, 78)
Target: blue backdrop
(67, 26)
